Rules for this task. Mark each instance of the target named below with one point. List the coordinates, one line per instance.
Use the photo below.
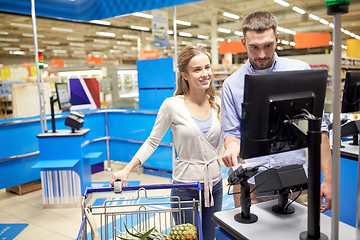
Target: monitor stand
(245, 202)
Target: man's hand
(325, 192)
(232, 151)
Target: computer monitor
(63, 96)
(351, 95)
(271, 101)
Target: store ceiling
(16, 31)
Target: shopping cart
(140, 211)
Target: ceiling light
(298, 10)
(331, 25)
(101, 22)
(281, 2)
(51, 42)
(11, 49)
(292, 44)
(59, 51)
(140, 28)
(285, 42)
(130, 36)
(144, 15)
(134, 48)
(106, 34)
(224, 30)
(220, 39)
(77, 44)
(186, 43)
(185, 34)
(347, 32)
(202, 37)
(279, 48)
(114, 51)
(238, 33)
(21, 25)
(9, 40)
(170, 32)
(101, 41)
(230, 15)
(185, 23)
(202, 44)
(119, 47)
(17, 52)
(285, 30)
(323, 21)
(75, 39)
(312, 16)
(4, 33)
(32, 35)
(123, 43)
(80, 52)
(62, 29)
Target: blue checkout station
(64, 160)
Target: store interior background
(79, 49)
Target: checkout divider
(116, 133)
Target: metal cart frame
(131, 214)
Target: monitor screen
(351, 95)
(63, 96)
(271, 100)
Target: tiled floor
(54, 224)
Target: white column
(214, 43)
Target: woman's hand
(119, 175)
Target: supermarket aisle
(57, 224)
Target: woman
(193, 114)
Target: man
(260, 39)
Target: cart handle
(197, 185)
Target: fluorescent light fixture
(292, 44)
(312, 16)
(4, 33)
(75, 39)
(80, 52)
(357, 37)
(123, 43)
(32, 35)
(220, 39)
(144, 15)
(119, 47)
(202, 37)
(342, 29)
(279, 48)
(99, 46)
(101, 41)
(285, 30)
(323, 21)
(185, 34)
(331, 25)
(230, 15)
(140, 28)
(26, 46)
(224, 30)
(21, 25)
(170, 32)
(114, 51)
(77, 44)
(62, 29)
(101, 22)
(238, 33)
(59, 51)
(185, 43)
(352, 35)
(11, 49)
(185, 23)
(17, 52)
(281, 2)
(54, 47)
(347, 32)
(343, 46)
(130, 36)
(202, 44)
(106, 34)
(298, 10)
(51, 42)
(134, 48)
(9, 40)
(284, 42)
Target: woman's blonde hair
(184, 58)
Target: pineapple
(185, 231)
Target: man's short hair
(259, 21)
